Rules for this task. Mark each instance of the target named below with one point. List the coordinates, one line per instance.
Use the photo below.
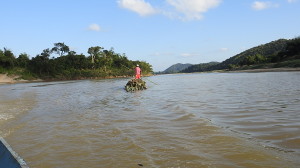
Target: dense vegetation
(67, 64)
(200, 67)
(279, 53)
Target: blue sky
(160, 32)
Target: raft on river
(135, 85)
(9, 158)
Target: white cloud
(193, 9)
(189, 54)
(158, 54)
(261, 5)
(94, 27)
(139, 6)
(180, 9)
(291, 1)
(186, 54)
(224, 49)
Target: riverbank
(5, 79)
(12, 79)
(252, 70)
(266, 70)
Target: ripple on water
(219, 122)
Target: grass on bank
(21, 73)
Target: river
(202, 120)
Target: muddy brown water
(209, 120)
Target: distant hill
(176, 68)
(201, 67)
(260, 54)
(277, 53)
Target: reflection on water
(192, 120)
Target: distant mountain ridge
(200, 67)
(276, 53)
(176, 68)
(262, 53)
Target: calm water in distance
(205, 120)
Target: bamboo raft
(135, 85)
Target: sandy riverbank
(11, 79)
(4, 79)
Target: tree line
(67, 64)
(277, 53)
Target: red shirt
(138, 70)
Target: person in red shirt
(138, 72)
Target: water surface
(187, 120)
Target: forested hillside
(200, 67)
(260, 54)
(60, 62)
(279, 53)
(176, 68)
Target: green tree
(2, 58)
(23, 60)
(69, 65)
(292, 50)
(40, 63)
(7, 58)
(95, 53)
(293, 46)
(232, 66)
(107, 59)
(260, 59)
(60, 49)
(253, 59)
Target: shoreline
(266, 70)
(14, 79)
